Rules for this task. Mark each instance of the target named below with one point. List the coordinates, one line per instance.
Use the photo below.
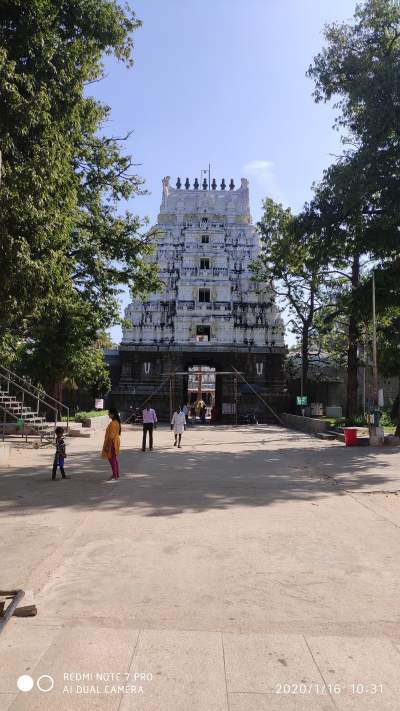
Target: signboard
(301, 400)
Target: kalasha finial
(205, 186)
(196, 184)
(187, 184)
(223, 184)
(178, 184)
(214, 184)
(231, 185)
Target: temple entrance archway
(235, 385)
(206, 383)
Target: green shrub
(81, 416)
(386, 420)
(358, 421)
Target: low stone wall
(10, 428)
(311, 425)
(97, 423)
(4, 454)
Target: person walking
(149, 423)
(112, 443)
(178, 425)
(60, 454)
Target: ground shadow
(168, 481)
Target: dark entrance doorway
(203, 333)
(205, 383)
(201, 392)
(201, 384)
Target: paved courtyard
(255, 569)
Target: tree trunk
(304, 356)
(352, 349)
(395, 413)
(305, 340)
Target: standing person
(203, 411)
(178, 425)
(112, 443)
(149, 423)
(60, 454)
(199, 405)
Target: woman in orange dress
(111, 444)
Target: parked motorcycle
(249, 418)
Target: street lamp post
(374, 354)
(374, 438)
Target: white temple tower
(210, 313)
(205, 244)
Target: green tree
(289, 262)
(357, 203)
(336, 214)
(65, 247)
(59, 345)
(359, 70)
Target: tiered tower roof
(205, 245)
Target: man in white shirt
(149, 421)
(178, 425)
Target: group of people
(111, 446)
(112, 439)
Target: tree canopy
(290, 261)
(65, 246)
(352, 223)
(356, 206)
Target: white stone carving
(165, 184)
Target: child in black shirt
(60, 453)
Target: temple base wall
(160, 377)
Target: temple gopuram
(212, 332)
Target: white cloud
(263, 174)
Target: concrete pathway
(253, 569)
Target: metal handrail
(275, 414)
(37, 397)
(24, 391)
(31, 425)
(16, 596)
(161, 385)
(12, 377)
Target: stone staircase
(33, 423)
(23, 403)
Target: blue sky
(223, 82)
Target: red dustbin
(350, 436)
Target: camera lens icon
(25, 682)
(44, 683)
